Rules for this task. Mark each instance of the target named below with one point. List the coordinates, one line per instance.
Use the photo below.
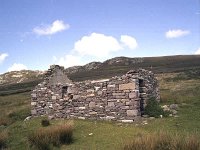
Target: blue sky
(37, 33)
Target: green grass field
(101, 135)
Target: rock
(81, 108)
(144, 122)
(109, 118)
(92, 104)
(93, 113)
(53, 97)
(111, 104)
(132, 95)
(131, 113)
(174, 112)
(33, 103)
(165, 108)
(34, 95)
(27, 118)
(99, 93)
(125, 107)
(50, 117)
(173, 106)
(82, 118)
(90, 95)
(128, 86)
(76, 96)
(127, 121)
(90, 134)
(33, 112)
(111, 86)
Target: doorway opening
(142, 94)
(64, 91)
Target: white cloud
(129, 41)
(96, 44)
(176, 33)
(17, 67)
(197, 52)
(68, 60)
(95, 47)
(56, 26)
(3, 57)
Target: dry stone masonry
(120, 98)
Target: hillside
(120, 65)
(189, 65)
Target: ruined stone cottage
(120, 98)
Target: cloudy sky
(37, 33)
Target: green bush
(153, 109)
(45, 122)
(44, 138)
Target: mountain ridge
(111, 67)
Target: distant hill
(120, 65)
(19, 81)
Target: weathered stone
(118, 94)
(125, 107)
(90, 95)
(174, 112)
(33, 112)
(76, 96)
(27, 118)
(34, 95)
(33, 103)
(82, 118)
(132, 95)
(111, 104)
(173, 106)
(92, 104)
(53, 97)
(131, 113)
(127, 121)
(90, 91)
(81, 108)
(93, 113)
(50, 117)
(99, 93)
(127, 86)
(111, 86)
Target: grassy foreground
(107, 135)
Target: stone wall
(119, 98)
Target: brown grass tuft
(44, 138)
(3, 139)
(163, 141)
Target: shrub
(3, 139)
(45, 122)
(163, 141)
(153, 109)
(55, 135)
